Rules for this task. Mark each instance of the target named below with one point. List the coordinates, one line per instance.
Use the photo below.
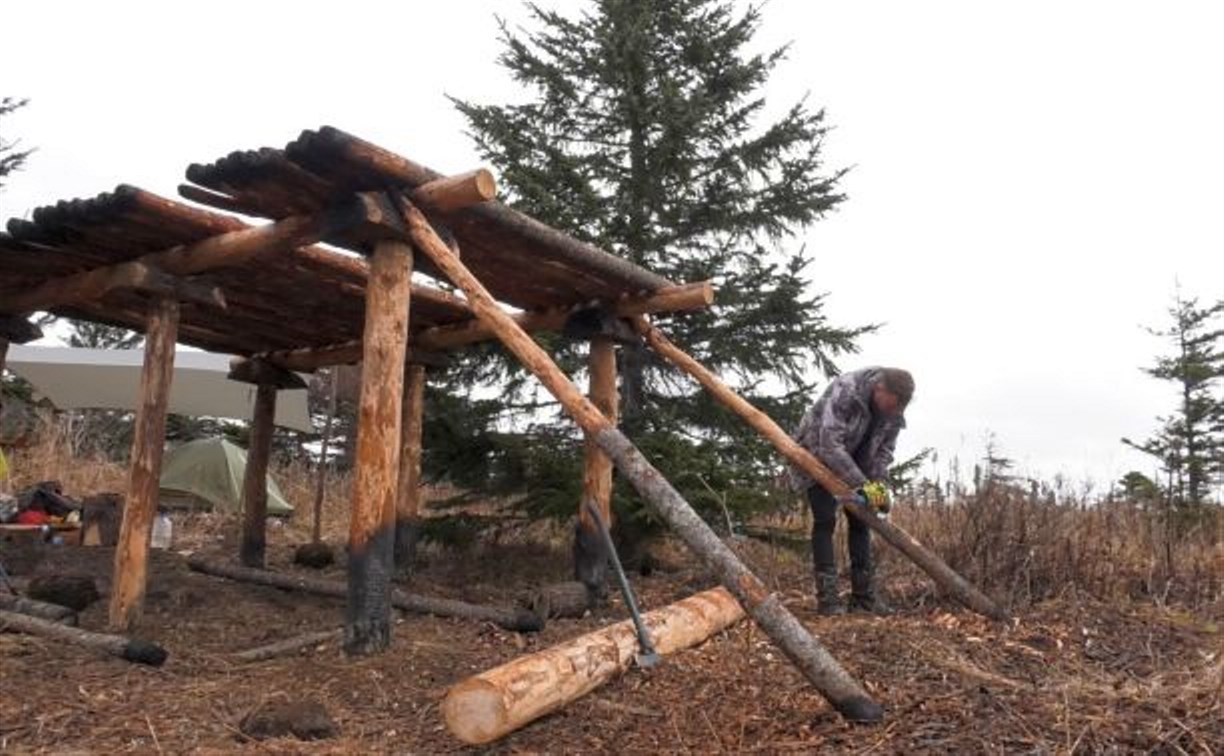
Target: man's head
(892, 392)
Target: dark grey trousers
(824, 523)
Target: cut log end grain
(480, 705)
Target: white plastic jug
(163, 530)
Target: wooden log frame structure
(134, 259)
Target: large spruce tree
(644, 133)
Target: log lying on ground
(289, 645)
(138, 651)
(940, 572)
(487, 706)
(40, 609)
(518, 619)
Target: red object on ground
(33, 517)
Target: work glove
(876, 495)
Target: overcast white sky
(1029, 179)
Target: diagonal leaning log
(820, 668)
(939, 571)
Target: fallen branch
(40, 609)
(497, 702)
(288, 646)
(518, 619)
(138, 651)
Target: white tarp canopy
(75, 378)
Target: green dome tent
(207, 474)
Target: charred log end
(407, 536)
(591, 561)
(144, 652)
(368, 626)
(860, 710)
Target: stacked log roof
(310, 296)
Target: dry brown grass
(1024, 549)
(1018, 547)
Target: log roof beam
(263, 373)
(224, 250)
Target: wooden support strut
(821, 669)
(408, 493)
(429, 346)
(939, 571)
(372, 526)
(590, 554)
(132, 551)
(255, 478)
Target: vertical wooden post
(255, 478)
(408, 498)
(316, 533)
(132, 552)
(590, 554)
(372, 527)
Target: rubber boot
(863, 596)
(828, 603)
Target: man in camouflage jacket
(853, 429)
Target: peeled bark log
(518, 619)
(255, 478)
(939, 571)
(408, 494)
(137, 651)
(821, 669)
(132, 552)
(487, 706)
(590, 553)
(372, 524)
(39, 609)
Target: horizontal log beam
(224, 250)
(310, 359)
(428, 345)
(97, 283)
(263, 373)
(456, 192)
(548, 242)
(683, 298)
